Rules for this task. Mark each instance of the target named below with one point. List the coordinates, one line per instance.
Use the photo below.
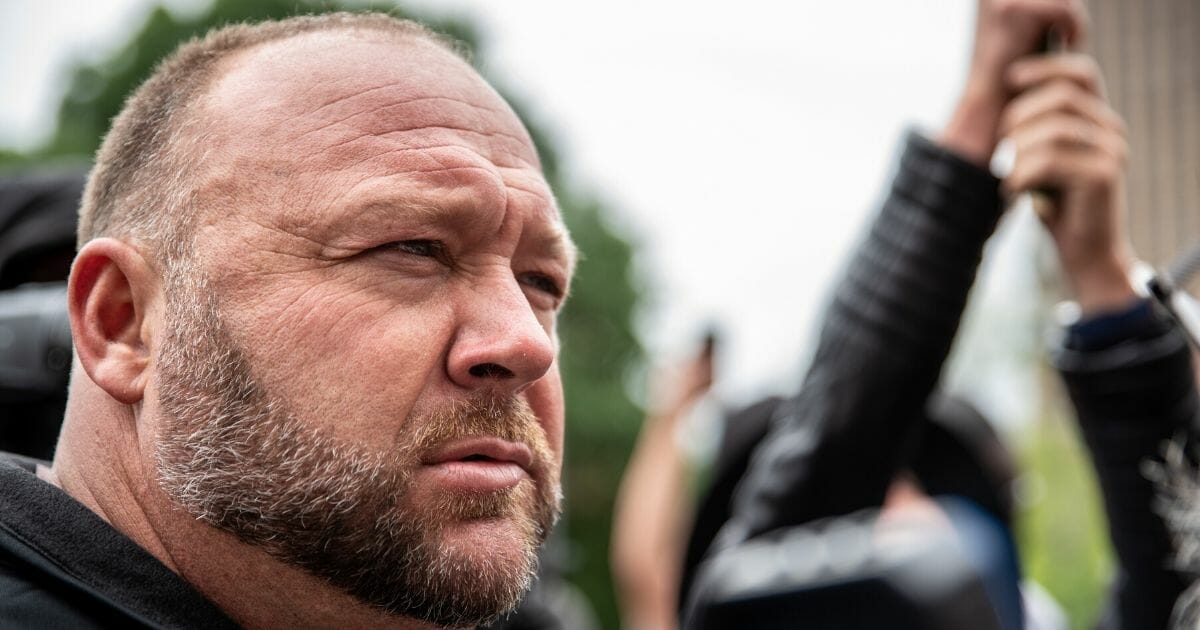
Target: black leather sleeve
(1131, 397)
(835, 446)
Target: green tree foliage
(1062, 531)
(596, 328)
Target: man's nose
(499, 343)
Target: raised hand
(1005, 31)
(1071, 146)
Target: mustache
(506, 417)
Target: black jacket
(62, 566)
(835, 447)
(885, 337)
(880, 353)
(1133, 390)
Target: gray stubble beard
(239, 459)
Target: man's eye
(542, 283)
(424, 248)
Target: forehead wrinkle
(384, 86)
(521, 181)
(421, 131)
(350, 144)
(425, 118)
(545, 197)
(419, 161)
(361, 81)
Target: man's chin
(501, 530)
(515, 513)
(494, 540)
(474, 570)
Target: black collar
(55, 541)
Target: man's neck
(259, 591)
(97, 462)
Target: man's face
(360, 374)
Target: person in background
(1127, 369)
(1126, 366)
(660, 536)
(38, 212)
(837, 445)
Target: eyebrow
(561, 246)
(554, 241)
(363, 219)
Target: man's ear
(109, 296)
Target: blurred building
(1150, 53)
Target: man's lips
(483, 449)
(480, 464)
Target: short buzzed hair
(139, 185)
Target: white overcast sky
(742, 145)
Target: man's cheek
(359, 364)
(546, 399)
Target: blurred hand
(679, 387)
(1070, 146)
(1005, 30)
